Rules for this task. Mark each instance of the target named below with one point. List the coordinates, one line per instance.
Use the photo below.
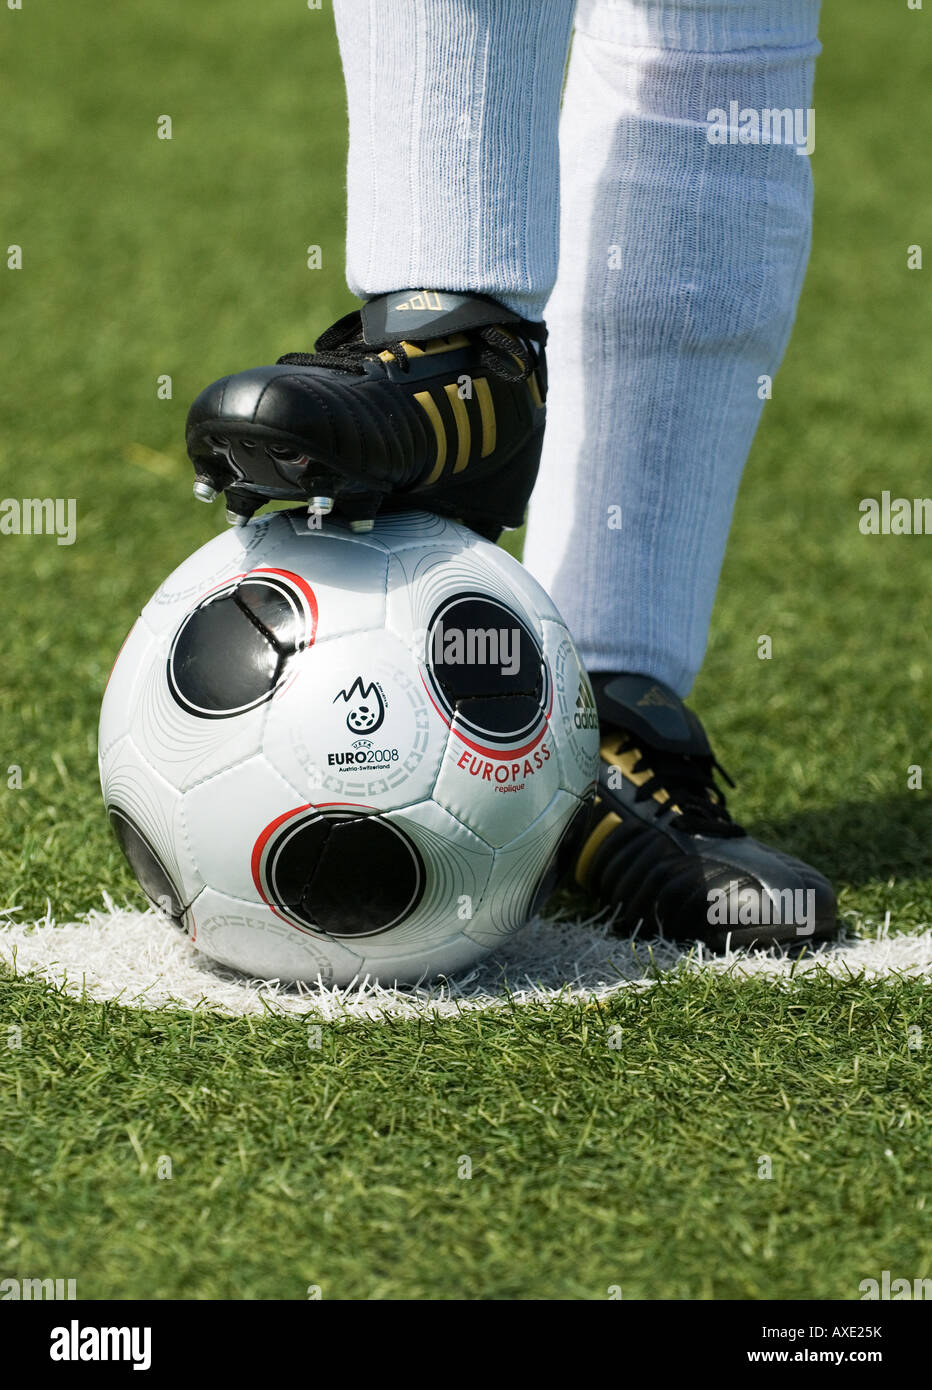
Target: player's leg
(434, 395)
(683, 261)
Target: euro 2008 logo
(365, 706)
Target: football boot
(662, 850)
(421, 399)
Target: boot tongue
(417, 315)
(651, 712)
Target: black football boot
(662, 849)
(422, 399)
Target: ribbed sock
(681, 268)
(453, 176)
(681, 262)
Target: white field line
(140, 960)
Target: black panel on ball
(486, 670)
(272, 610)
(151, 874)
(505, 717)
(478, 647)
(230, 653)
(346, 874)
(292, 858)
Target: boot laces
(343, 349)
(691, 786)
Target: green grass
(591, 1166)
(612, 1145)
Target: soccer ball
(328, 756)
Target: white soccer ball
(329, 756)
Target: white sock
(654, 362)
(654, 365)
(453, 172)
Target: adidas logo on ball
(585, 716)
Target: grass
(592, 1165)
(609, 1145)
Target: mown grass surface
(616, 1144)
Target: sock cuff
(701, 26)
